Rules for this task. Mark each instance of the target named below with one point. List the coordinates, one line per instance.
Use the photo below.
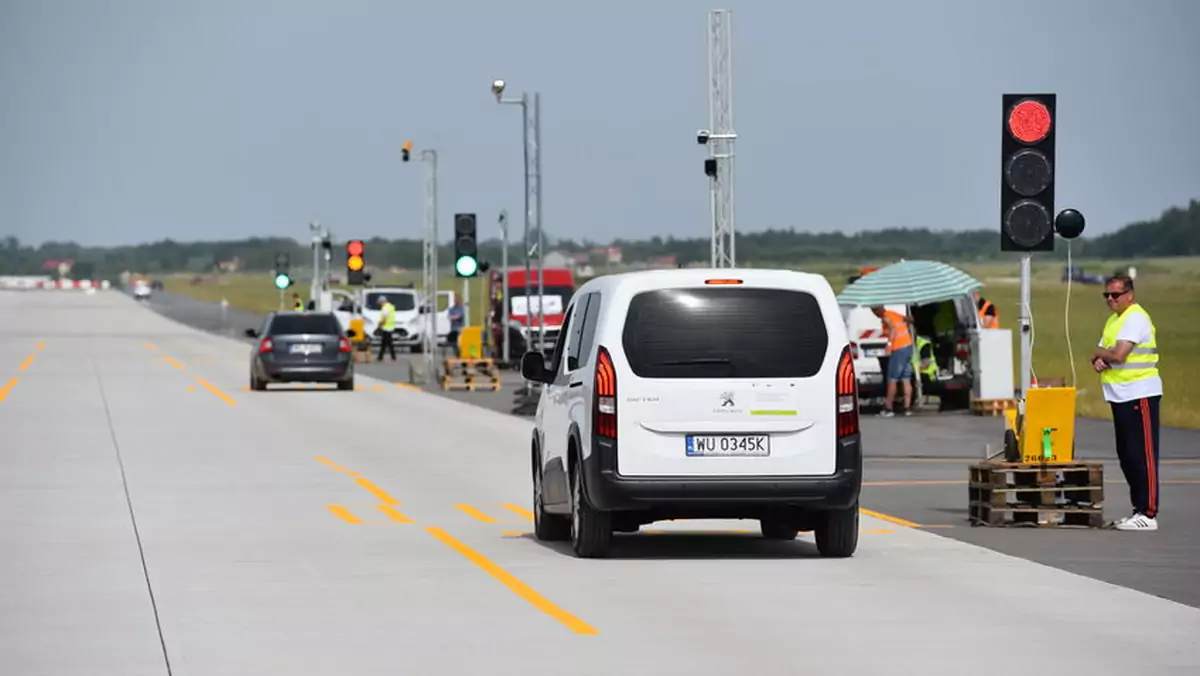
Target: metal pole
(466, 302)
(720, 98)
(541, 242)
(313, 287)
(430, 159)
(506, 354)
(1026, 342)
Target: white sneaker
(1137, 522)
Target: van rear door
(731, 380)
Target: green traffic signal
(466, 266)
(282, 281)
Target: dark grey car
(301, 347)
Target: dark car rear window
(292, 324)
(725, 332)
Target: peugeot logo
(726, 399)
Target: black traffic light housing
(283, 263)
(1027, 172)
(466, 248)
(356, 262)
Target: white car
(141, 290)
(679, 394)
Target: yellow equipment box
(356, 325)
(470, 342)
(1047, 434)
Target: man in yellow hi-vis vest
(1127, 361)
(387, 325)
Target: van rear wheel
(837, 535)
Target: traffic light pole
(430, 158)
(1026, 335)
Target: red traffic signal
(354, 247)
(1030, 121)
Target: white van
(676, 394)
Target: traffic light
(355, 263)
(1027, 172)
(466, 251)
(406, 150)
(282, 279)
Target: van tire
(837, 535)
(546, 527)
(777, 529)
(591, 529)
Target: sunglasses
(1112, 295)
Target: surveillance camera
(498, 87)
(702, 136)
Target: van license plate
(754, 445)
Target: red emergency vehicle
(558, 285)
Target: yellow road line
(41, 345)
(377, 491)
(167, 358)
(191, 388)
(468, 509)
(509, 580)
(322, 459)
(394, 514)
(344, 514)
(213, 388)
(7, 388)
(25, 364)
(407, 386)
(889, 518)
(519, 511)
(150, 346)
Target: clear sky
(124, 121)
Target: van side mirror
(251, 333)
(533, 367)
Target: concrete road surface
(158, 519)
(917, 471)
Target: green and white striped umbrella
(909, 283)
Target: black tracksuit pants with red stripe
(1136, 426)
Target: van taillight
(606, 396)
(962, 349)
(266, 345)
(847, 395)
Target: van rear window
(725, 332)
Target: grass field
(1168, 288)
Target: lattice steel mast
(720, 99)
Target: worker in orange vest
(988, 317)
(900, 359)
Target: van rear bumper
(608, 490)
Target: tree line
(1176, 232)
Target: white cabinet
(992, 364)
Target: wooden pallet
(466, 384)
(1036, 494)
(1035, 517)
(992, 407)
